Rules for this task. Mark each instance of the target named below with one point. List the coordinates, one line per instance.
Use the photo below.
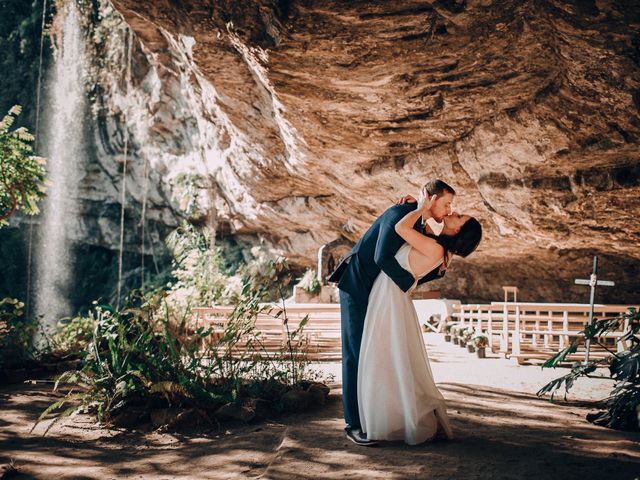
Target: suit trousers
(353, 312)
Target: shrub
(197, 267)
(73, 334)
(203, 279)
(22, 178)
(16, 334)
(623, 404)
(467, 333)
(455, 329)
(480, 341)
(309, 282)
(147, 354)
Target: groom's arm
(386, 248)
(435, 274)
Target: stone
(262, 408)
(189, 419)
(130, 417)
(330, 255)
(232, 411)
(318, 394)
(161, 417)
(297, 400)
(327, 294)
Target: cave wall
(315, 115)
(295, 123)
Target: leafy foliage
(467, 333)
(20, 36)
(73, 334)
(203, 277)
(15, 333)
(148, 354)
(480, 340)
(455, 328)
(623, 404)
(21, 174)
(310, 282)
(198, 266)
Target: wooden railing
(530, 331)
(525, 331)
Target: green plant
(187, 191)
(74, 334)
(20, 37)
(310, 282)
(623, 404)
(135, 357)
(148, 353)
(21, 174)
(467, 333)
(268, 273)
(203, 279)
(480, 341)
(198, 266)
(16, 333)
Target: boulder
(161, 417)
(297, 400)
(232, 411)
(319, 393)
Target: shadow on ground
(499, 435)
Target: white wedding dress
(397, 397)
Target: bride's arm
(425, 245)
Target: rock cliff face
(299, 122)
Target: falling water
(37, 149)
(65, 152)
(39, 85)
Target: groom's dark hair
(438, 187)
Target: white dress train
(397, 397)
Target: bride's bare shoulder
(429, 247)
(426, 257)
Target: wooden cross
(593, 282)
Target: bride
(398, 398)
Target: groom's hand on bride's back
(406, 199)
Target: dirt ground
(503, 431)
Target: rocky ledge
(303, 120)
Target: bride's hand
(406, 199)
(425, 202)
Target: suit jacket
(375, 252)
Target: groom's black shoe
(359, 438)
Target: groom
(355, 275)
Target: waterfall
(65, 152)
(36, 149)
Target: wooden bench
(320, 335)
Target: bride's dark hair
(465, 241)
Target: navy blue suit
(355, 275)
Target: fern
(623, 404)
